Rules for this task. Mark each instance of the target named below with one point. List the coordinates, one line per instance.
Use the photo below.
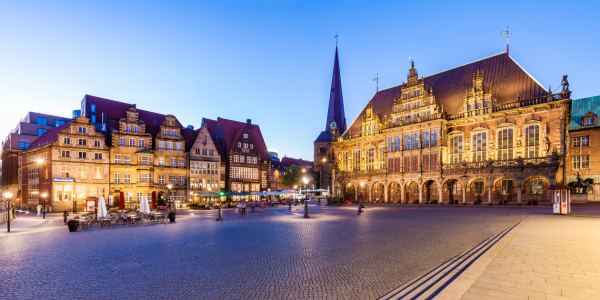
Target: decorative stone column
(402, 196)
(370, 188)
(441, 195)
(464, 194)
(490, 187)
(519, 186)
(386, 194)
(356, 193)
(420, 195)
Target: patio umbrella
(102, 208)
(144, 208)
(320, 190)
(257, 193)
(121, 201)
(209, 194)
(154, 199)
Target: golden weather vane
(507, 34)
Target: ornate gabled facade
(483, 132)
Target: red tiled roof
(48, 137)
(118, 110)
(502, 75)
(232, 130)
(189, 135)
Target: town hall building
(484, 132)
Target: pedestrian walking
(243, 208)
(39, 210)
(65, 215)
(290, 203)
(237, 208)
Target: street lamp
(8, 195)
(44, 195)
(305, 180)
(170, 200)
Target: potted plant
(202, 206)
(172, 217)
(73, 224)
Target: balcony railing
(519, 162)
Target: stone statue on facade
(565, 83)
(546, 145)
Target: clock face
(333, 125)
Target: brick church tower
(324, 163)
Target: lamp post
(170, 200)
(44, 195)
(191, 197)
(360, 202)
(209, 198)
(8, 195)
(305, 180)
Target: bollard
(220, 218)
(306, 209)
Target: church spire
(335, 112)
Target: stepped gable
(502, 75)
(211, 125)
(232, 130)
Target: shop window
(507, 186)
(537, 186)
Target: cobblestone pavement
(276, 254)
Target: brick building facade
(483, 132)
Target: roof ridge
(465, 64)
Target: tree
(291, 177)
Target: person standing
(39, 210)
(290, 203)
(65, 215)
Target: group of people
(240, 208)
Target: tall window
(122, 141)
(479, 146)
(381, 158)
(356, 160)
(136, 129)
(126, 159)
(170, 145)
(505, 144)
(98, 173)
(117, 177)
(161, 145)
(507, 186)
(142, 143)
(532, 141)
(128, 128)
(65, 171)
(81, 172)
(407, 142)
(457, 149)
(537, 186)
(390, 144)
(425, 139)
(161, 179)
(398, 143)
(585, 141)
(173, 163)
(479, 189)
(371, 159)
(581, 162)
(131, 142)
(345, 161)
(117, 159)
(415, 140)
(434, 138)
(126, 178)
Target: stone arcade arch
(377, 192)
(431, 192)
(350, 192)
(395, 192)
(477, 189)
(453, 191)
(363, 192)
(411, 192)
(506, 189)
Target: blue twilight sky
(271, 61)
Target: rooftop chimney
(248, 123)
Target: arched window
(505, 144)
(457, 149)
(479, 146)
(532, 141)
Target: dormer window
(136, 129)
(239, 145)
(128, 128)
(173, 133)
(245, 135)
(589, 119)
(82, 130)
(166, 132)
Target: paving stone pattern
(276, 254)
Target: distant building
(68, 163)
(584, 157)
(27, 131)
(278, 168)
